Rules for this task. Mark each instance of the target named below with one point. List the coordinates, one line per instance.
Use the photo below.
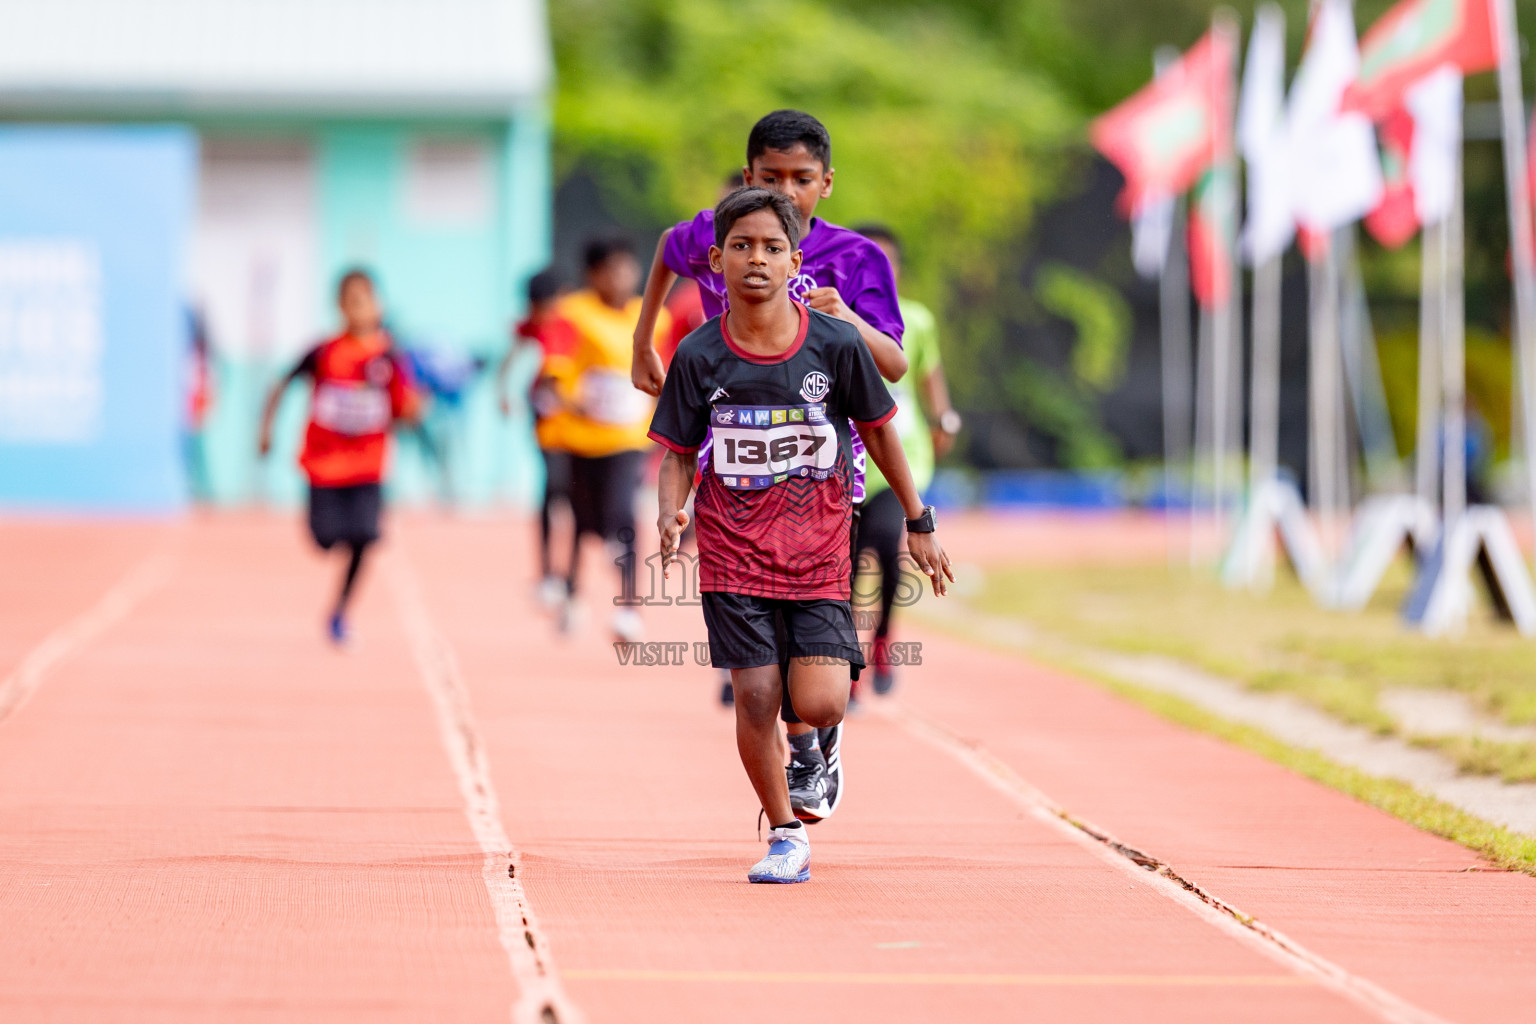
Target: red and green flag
(1413, 39)
(1395, 219)
(1213, 236)
(1166, 135)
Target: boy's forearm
(269, 407)
(657, 284)
(934, 390)
(882, 445)
(673, 482)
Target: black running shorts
(345, 515)
(749, 632)
(603, 492)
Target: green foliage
(932, 131)
(1102, 320)
(1490, 382)
(935, 131)
(1062, 409)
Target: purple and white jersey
(832, 256)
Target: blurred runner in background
(926, 424)
(606, 434)
(842, 274)
(445, 375)
(556, 340)
(361, 387)
(199, 405)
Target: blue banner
(94, 227)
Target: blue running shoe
(788, 860)
(338, 630)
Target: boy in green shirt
(926, 424)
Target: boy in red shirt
(361, 387)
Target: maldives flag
(1164, 136)
(1394, 221)
(1413, 39)
(1420, 150)
(1212, 237)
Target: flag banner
(1395, 221)
(1164, 136)
(1420, 143)
(1435, 103)
(1412, 40)
(1212, 237)
(1261, 139)
(1335, 166)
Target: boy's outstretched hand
(671, 528)
(931, 559)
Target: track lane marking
(541, 997)
(1214, 911)
(146, 576)
(1003, 980)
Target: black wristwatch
(923, 523)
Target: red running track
(205, 813)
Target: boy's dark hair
(880, 233)
(355, 275)
(601, 249)
(544, 285)
(785, 129)
(749, 200)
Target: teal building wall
(453, 287)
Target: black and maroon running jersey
(774, 503)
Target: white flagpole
(1178, 389)
(1224, 340)
(1426, 470)
(1453, 369)
(1323, 390)
(1264, 441)
(1512, 111)
(1200, 482)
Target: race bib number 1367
(759, 446)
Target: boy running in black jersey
(777, 383)
(842, 274)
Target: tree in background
(934, 132)
(960, 122)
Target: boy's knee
(757, 700)
(821, 713)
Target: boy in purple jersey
(778, 384)
(842, 274)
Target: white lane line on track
(1246, 929)
(541, 997)
(122, 597)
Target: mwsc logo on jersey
(815, 386)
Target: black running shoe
(808, 786)
(831, 741)
(727, 692)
